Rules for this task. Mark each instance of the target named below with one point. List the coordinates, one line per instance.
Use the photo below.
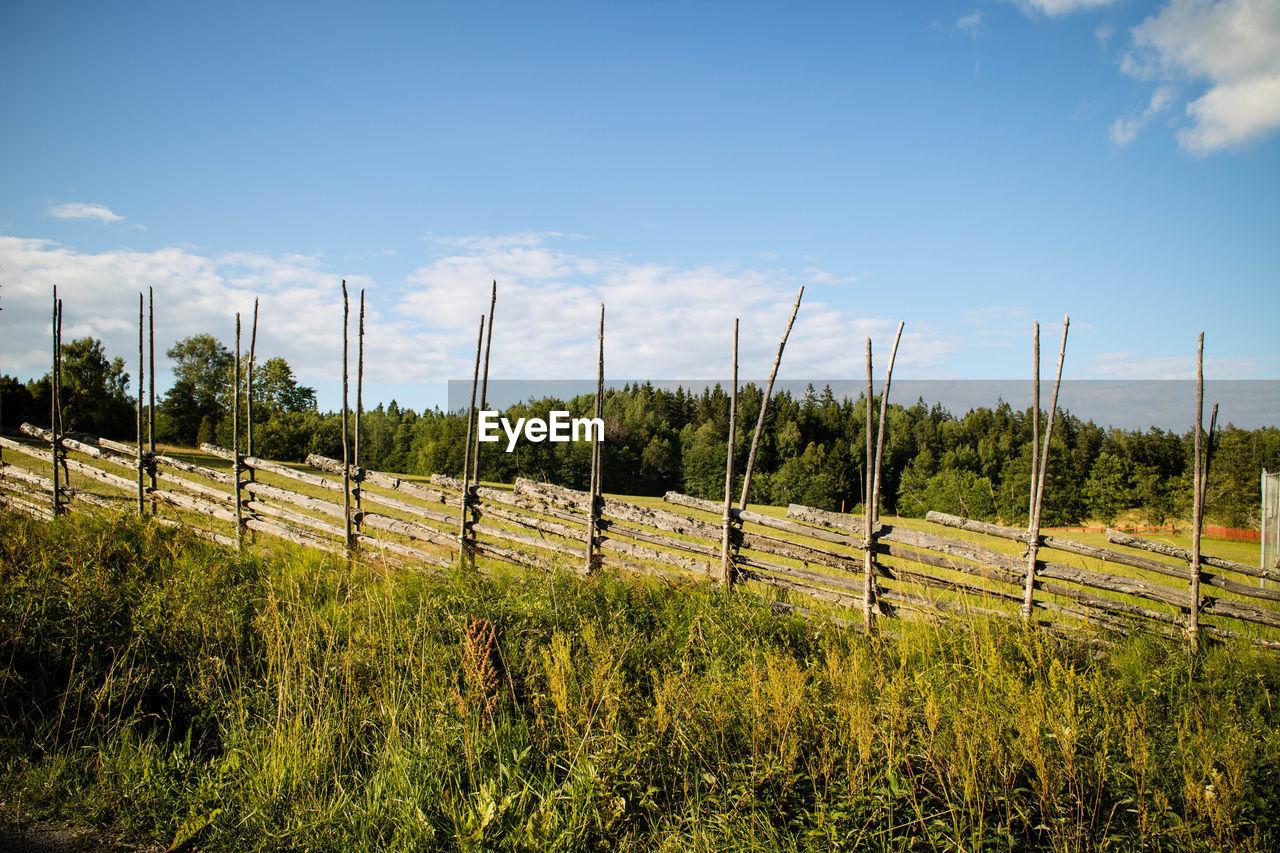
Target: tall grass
(178, 691)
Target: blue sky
(965, 167)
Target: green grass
(172, 689)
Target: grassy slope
(169, 688)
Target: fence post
(594, 489)
(872, 505)
(884, 415)
(726, 543)
(1262, 537)
(1197, 511)
(151, 408)
(235, 442)
(868, 530)
(466, 517)
(55, 408)
(1038, 472)
(359, 518)
(142, 366)
(484, 382)
(248, 387)
(764, 403)
(346, 436)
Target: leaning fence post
(235, 441)
(884, 416)
(248, 387)
(1197, 511)
(466, 520)
(764, 403)
(726, 543)
(1208, 454)
(593, 489)
(1033, 524)
(484, 383)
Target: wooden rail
(810, 556)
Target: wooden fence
(806, 559)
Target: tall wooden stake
(764, 404)
(464, 522)
(142, 367)
(884, 415)
(1193, 625)
(151, 408)
(1035, 427)
(484, 383)
(61, 456)
(54, 432)
(1208, 454)
(594, 486)
(235, 441)
(2, 409)
(359, 411)
(1033, 526)
(346, 435)
(868, 542)
(248, 387)
(726, 543)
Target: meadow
(185, 694)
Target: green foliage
(176, 691)
(1108, 488)
(19, 403)
(193, 407)
(95, 394)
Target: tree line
(976, 464)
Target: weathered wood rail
(811, 558)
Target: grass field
(177, 691)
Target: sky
(967, 168)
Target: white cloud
(669, 321)
(814, 275)
(1129, 365)
(1125, 130)
(80, 210)
(194, 293)
(1234, 45)
(1057, 8)
(970, 24)
(664, 321)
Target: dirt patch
(19, 835)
